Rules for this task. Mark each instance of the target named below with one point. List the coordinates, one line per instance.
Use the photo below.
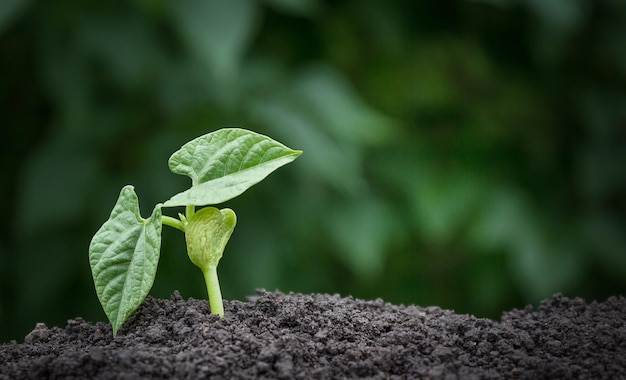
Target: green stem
(173, 222)
(189, 211)
(213, 288)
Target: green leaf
(217, 31)
(207, 234)
(225, 163)
(124, 255)
(339, 108)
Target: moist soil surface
(275, 335)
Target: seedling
(125, 251)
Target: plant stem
(189, 211)
(213, 288)
(173, 222)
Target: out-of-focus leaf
(217, 31)
(559, 20)
(340, 110)
(543, 264)
(560, 14)
(10, 11)
(362, 229)
(54, 171)
(331, 163)
(442, 204)
(540, 260)
(108, 39)
(502, 215)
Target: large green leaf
(123, 255)
(225, 163)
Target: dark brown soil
(320, 336)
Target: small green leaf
(207, 234)
(124, 255)
(225, 163)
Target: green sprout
(124, 252)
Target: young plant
(124, 252)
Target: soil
(284, 336)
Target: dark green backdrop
(466, 154)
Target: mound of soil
(274, 335)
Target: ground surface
(321, 336)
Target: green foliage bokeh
(465, 154)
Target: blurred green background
(465, 154)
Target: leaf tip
(128, 188)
